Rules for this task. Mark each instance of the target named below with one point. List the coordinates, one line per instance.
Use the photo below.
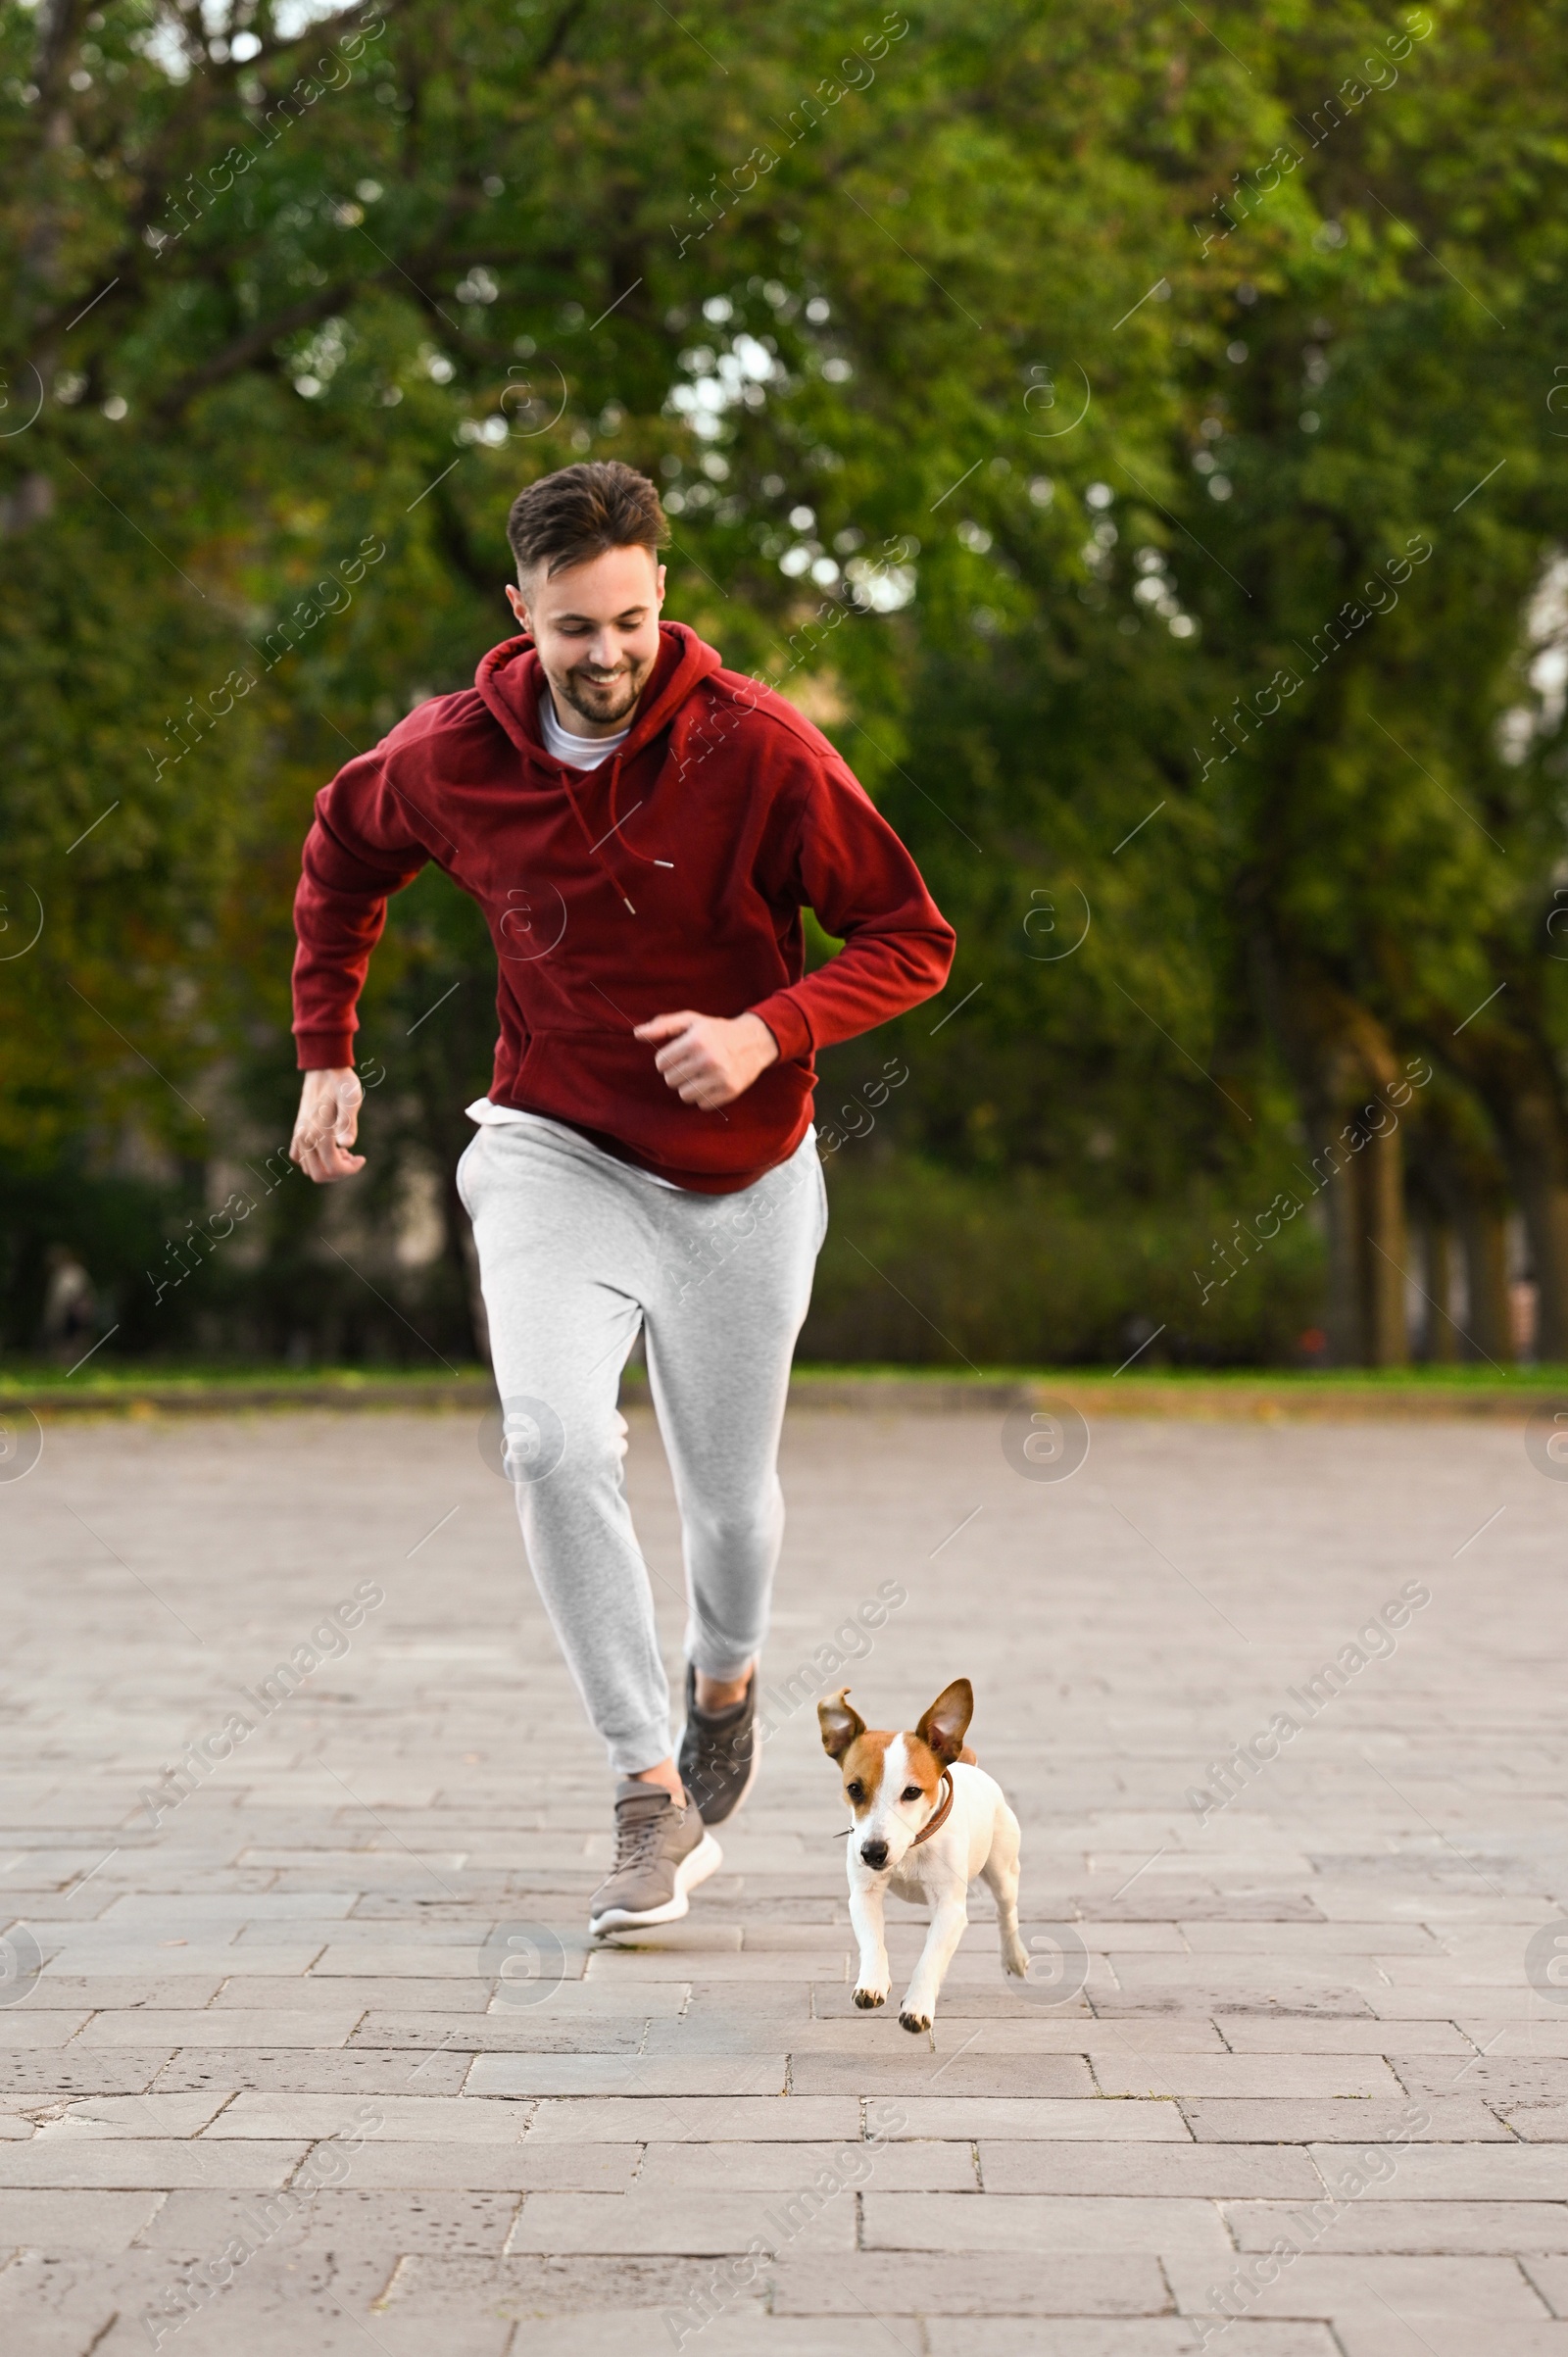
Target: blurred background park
(1139, 439)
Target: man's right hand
(326, 1125)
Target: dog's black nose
(875, 1854)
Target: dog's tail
(968, 1758)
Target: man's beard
(606, 700)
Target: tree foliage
(1139, 441)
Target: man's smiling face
(596, 628)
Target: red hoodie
(671, 876)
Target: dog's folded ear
(942, 1729)
(840, 1724)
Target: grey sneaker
(661, 1852)
(720, 1755)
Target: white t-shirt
(577, 753)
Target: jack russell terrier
(927, 1819)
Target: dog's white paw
(913, 2021)
(865, 1998)
(1015, 1960)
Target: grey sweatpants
(578, 1252)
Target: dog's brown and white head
(892, 1781)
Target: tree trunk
(1382, 1195)
(1343, 1310)
(1350, 1073)
(1441, 1346)
(1541, 1179)
(1464, 1175)
(1484, 1240)
(459, 1229)
(1511, 1064)
(1364, 1318)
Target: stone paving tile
(1462, 2172)
(698, 2120)
(370, 1943)
(305, 2302)
(51, 2311)
(425, 1960)
(1505, 2080)
(329, 2070)
(911, 2069)
(1502, 2040)
(1322, 1944)
(1278, 2078)
(1067, 2223)
(157, 2114)
(132, 2163)
(1051, 2034)
(993, 2000)
(1550, 2279)
(898, 2167)
(509, 2030)
(1414, 2225)
(609, 2074)
(1453, 2120)
(567, 2293)
(1256, 2033)
(229, 2027)
(788, 2003)
(745, 2329)
(1128, 2336)
(944, 2283)
(52, 2218)
(91, 1944)
(625, 1972)
(67, 1992)
(1378, 2332)
(1011, 2117)
(718, 2035)
(1493, 2291)
(417, 2118)
(570, 2008)
(189, 2225)
(1207, 2172)
(695, 2225)
(33, 2078)
(139, 1909)
(24, 2032)
(1284, 1998)
(1509, 2007)
(346, 1994)
(604, 2168)
(1207, 1983)
(1537, 2123)
(387, 1868)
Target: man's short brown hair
(571, 516)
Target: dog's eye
(912, 1791)
(856, 1791)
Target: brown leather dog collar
(934, 1824)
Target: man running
(642, 830)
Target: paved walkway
(318, 2050)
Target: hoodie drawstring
(603, 867)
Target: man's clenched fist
(327, 1124)
(708, 1059)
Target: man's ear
(943, 1727)
(840, 1725)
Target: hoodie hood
(511, 679)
